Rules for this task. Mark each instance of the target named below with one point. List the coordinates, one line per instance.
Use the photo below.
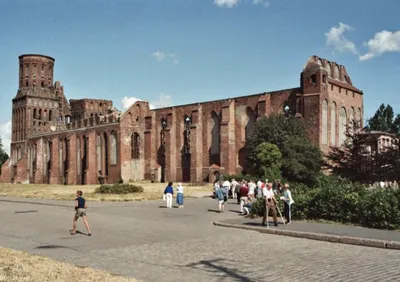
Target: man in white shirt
(252, 188)
(233, 186)
(270, 204)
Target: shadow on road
(25, 211)
(221, 267)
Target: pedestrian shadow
(25, 211)
(210, 210)
(79, 232)
(222, 267)
(235, 211)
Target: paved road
(150, 243)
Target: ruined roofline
(36, 55)
(227, 99)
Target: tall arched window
(333, 124)
(60, 157)
(40, 114)
(135, 145)
(352, 121)
(78, 156)
(359, 117)
(215, 133)
(113, 148)
(98, 153)
(325, 122)
(251, 121)
(34, 113)
(215, 124)
(342, 126)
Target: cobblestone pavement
(151, 243)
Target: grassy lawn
(152, 191)
(16, 266)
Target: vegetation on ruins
(346, 196)
(119, 188)
(301, 160)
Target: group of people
(169, 193)
(247, 192)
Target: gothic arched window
(333, 124)
(342, 126)
(98, 153)
(135, 145)
(325, 122)
(113, 148)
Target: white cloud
(161, 56)
(5, 134)
(164, 100)
(226, 3)
(382, 42)
(264, 3)
(336, 39)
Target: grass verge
(16, 266)
(152, 191)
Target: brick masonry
(87, 141)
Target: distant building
(85, 141)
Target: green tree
(396, 126)
(3, 154)
(382, 119)
(301, 160)
(269, 158)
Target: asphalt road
(152, 243)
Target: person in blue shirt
(80, 211)
(169, 192)
(288, 201)
(220, 197)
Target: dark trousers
(286, 211)
(271, 211)
(238, 197)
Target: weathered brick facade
(88, 141)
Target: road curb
(382, 244)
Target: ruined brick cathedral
(88, 141)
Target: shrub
(119, 188)
(340, 200)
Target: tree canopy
(385, 120)
(269, 158)
(301, 160)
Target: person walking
(270, 204)
(80, 211)
(221, 198)
(169, 192)
(179, 195)
(288, 201)
(244, 193)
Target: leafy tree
(382, 120)
(3, 154)
(301, 160)
(358, 160)
(269, 158)
(396, 126)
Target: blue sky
(172, 52)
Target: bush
(119, 188)
(339, 200)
